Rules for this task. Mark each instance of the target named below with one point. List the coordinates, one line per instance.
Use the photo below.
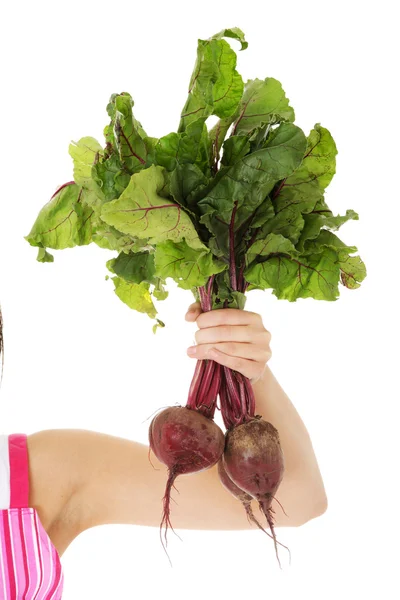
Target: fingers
(235, 349)
(193, 311)
(222, 316)
(228, 316)
(227, 333)
(249, 368)
(234, 338)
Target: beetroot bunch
(187, 440)
(221, 210)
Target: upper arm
(123, 486)
(54, 458)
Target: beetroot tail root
(268, 513)
(246, 500)
(166, 508)
(251, 517)
(253, 460)
(186, 442)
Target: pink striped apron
(30, 567)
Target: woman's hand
(234, 338)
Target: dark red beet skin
(229, 485)
(186, 442)
(244, 498)
(253, 459)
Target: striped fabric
(30, 567)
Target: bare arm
(104, 479)
(302, 492)
(110, 480)
(124, 487)
(80, 479)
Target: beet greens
(221, 211)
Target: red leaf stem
(232, 260)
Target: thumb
(193, 312)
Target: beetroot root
(253, 459)
(245, 499)
(186, 442)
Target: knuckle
(266, 335)
(201, 320)
(266, 355)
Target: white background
(76, 357)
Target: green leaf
(159, 324)
(112, 110)
(159, 292)
(234, 33)
(188, 267)
(190, 146)
(282, 152)
(249, 181)
(106, 236)
(171, 207)
(134, 267)
(185, 181)
(111, 176)
(315, 276)
(320, 159)
(327, 239)
(251, 230)
(141, 212)
(127, 133)
(299, 199)
(234, 149)
(352, 270)
(44, 256)
(215, 86)
(63, 222)
(263, 102)
(305, 187)
(272, 244)
(84, 153)
(303, 190)
(264, 213)
(314, 222)
(135, 295)
(225, 296)
(288, 223)
(216, 138)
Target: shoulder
(63, 464)
(58, 468)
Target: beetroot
(253, 459)
(244, 498)
(186, 442)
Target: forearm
(301, 465)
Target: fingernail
(189, 314)
(192, 350)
